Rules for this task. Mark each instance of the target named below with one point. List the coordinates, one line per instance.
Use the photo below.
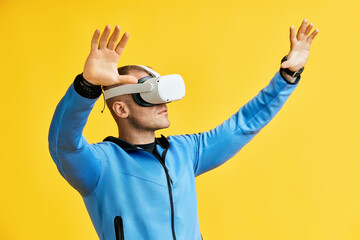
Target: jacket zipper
(119, 228)
(169, 183)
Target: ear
(121, 109)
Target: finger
(95, 39)
(308, 29)
(313, 35)
(104, 37)
(121, 45)
(301, 30)
(292, 35)
(128, 79)
(114, 37)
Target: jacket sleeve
(213, 148)
(74, 157)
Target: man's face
(147, 118)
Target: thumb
(285, 64)
(127, 79)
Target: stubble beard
(150, 125)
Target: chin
(164, 125)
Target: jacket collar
(162, 141)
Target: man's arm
(72, 154)
(211, 149)
(78, 161)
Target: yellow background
(298, 179)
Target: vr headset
(151, 90)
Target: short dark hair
(124, 70)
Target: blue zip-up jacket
(128, 192)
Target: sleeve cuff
(86, 89)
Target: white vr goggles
(151, 90)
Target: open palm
(101, 65)
(299, 46)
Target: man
(136, 186)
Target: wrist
(289, 76)
(289, 79)
(85, 88)
(87, 78)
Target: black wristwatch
(289, 72)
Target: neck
(137, 136)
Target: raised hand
(299, 46)
(101, 65)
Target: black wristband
(86, 89)
(285, 79)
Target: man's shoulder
(105, 148)
(183, 140)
